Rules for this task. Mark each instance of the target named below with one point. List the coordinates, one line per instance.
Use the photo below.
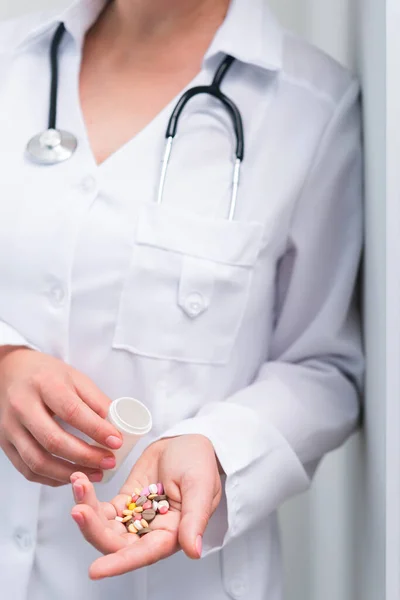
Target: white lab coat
(241, 331)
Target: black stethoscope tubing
(54, 146)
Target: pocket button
(194, 304)
(237, 588)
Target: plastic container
(133, 419)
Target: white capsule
(138, 525)
(119, 519)
(155, 505)
(153, 488)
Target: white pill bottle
(133, 419)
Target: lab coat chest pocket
(186, 291)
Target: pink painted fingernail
(96, 477)
(199, 545)
(79, 492)
(79, 519)
(114, 442)
(108, 463)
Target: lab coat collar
(250, 35)
(78, 17)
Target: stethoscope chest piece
(52, 147)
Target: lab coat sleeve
(10, 337)
(270, 436)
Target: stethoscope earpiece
(52, 147)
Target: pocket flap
(220, 240)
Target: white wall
(334, 537)
(393, 302)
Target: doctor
(224, 303)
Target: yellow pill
(137, 492)
(144, 523)
(132, 528)
(132, 506)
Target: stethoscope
(54, 146)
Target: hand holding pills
(188, 468)
(35, 388)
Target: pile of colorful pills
(143, 508)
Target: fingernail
(79, 492)
(78, 518)
(74, 477)
(96, 477)
(199, 545)
(108, 463)
(114, 442)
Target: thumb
(197, 508)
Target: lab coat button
(23, 539)
(88, 184)
(57, 295)
(194, 304)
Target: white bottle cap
(133, 419)
(130, 416)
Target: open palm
(189, 470)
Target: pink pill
(163, 510)
(160, 489)
(135, 497)
(145, 492)
(147, 505)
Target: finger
(109, 510)
(44, 464)
(91, 394)
(19, 464)
(67, 405)
(104, 508)
(84, 493)
(103, 538)
(197, 508)
(148, 550)
(60, 443)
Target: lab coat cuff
(261, 468)
(10, 337)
